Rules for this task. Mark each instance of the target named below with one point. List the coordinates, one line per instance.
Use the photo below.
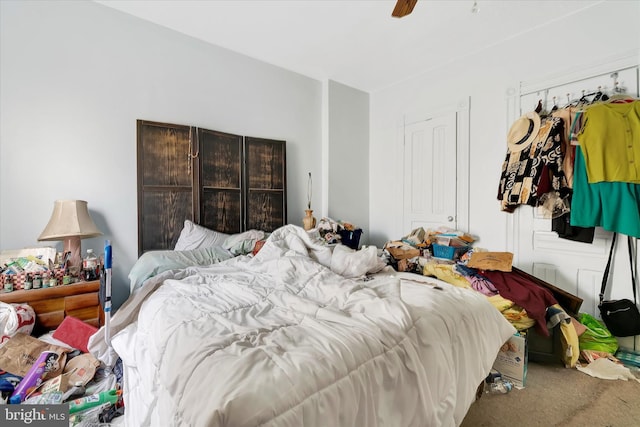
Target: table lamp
(70, 222)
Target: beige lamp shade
(70, 222)
(70, 218)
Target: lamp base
(73, 245)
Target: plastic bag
(597, 336)
(15, 318)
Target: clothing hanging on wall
(569, 117)
(562, 226)
(610, 142)
(606, 189)
(534, 146)
(603, 207)
(573, 118)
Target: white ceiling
(356, 43)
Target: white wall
(75, 76)
(590, 36)
(348, 159)
(594, 36)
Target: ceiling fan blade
(403, 8)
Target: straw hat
(523, 131)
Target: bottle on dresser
(90, 266)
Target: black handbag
(621, 317)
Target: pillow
(153, 263)
(194, 236)
(243, 243)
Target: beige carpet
(556, 396)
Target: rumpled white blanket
(282, 340)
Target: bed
(300, 334)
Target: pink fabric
(75, 332)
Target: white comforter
(282, 340)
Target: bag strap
(605, 277)
(633, 273)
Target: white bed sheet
(281, 340)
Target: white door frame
(461, 109)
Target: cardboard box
(500, 261)
(400, 250)
(512, 359)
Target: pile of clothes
(517, 295)
(412, 251)
(331, 232)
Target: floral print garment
(522, 170)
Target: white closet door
(430, 173)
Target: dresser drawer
(51, 305)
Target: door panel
(162, 215)
(265, 183)
(165, 183)
(430, 173)
(220, 181)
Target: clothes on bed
(518, 317)
(470, 278)
(531, 298)
(515, 314)
(446, 273)
(526, 293)
(477, 281)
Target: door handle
(450, 218)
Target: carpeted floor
(556, 396)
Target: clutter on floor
(607, 369)
(56, 369)
(550, 326)
(495, 383)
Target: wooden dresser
(80, 300)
